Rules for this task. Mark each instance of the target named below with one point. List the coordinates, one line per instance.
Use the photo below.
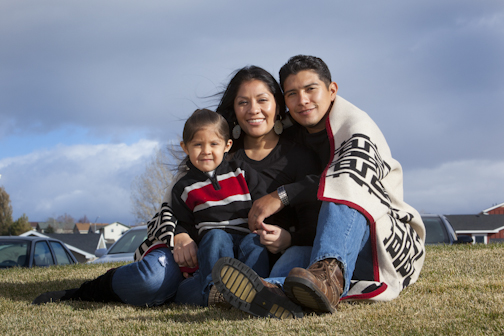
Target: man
(369, 243)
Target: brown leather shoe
(216, 299)
(319, 287)
(245, 290)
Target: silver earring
(236, 131)
(278, 126)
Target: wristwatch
(283, 195)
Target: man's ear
(184, 148)
(333, 88)
(228, 145)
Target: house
(96, 227)
(81, 246)
(33, 225)
(495, 210)
(113, 231)
(482, 228)
(57, 227)
(81, 228)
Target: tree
(83, 219)
(66, 221)
(5, 212)
(148, 189)
(21, 225)
(52, 225)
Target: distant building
(111, 232)
(482, 228)
(33, 225)
(57, 227)
(495, 210)
(81, 228)
(96, 227)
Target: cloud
(92, 180)
(430, 73)
(461, 187)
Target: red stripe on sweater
(232, 186)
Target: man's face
(308, 99)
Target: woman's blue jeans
(149, 282)
(343, 234)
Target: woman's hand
(263, 208)
(274, 238)
(185, 251)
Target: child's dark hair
(202, 118)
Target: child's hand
(274, 238)
(185, 251)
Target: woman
(254, 107)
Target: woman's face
(255, 108)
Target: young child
(212, 200)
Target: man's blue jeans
(342, 233)
(149, 282)
(215, 245)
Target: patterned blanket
(363, 175)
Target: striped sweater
(222, 201)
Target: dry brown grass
(460, 292)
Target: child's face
(206, 149)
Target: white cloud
(92, 180)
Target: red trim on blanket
(371, 221)
(367, 296)
(153, 247)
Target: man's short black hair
(304, 62)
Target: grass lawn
(460, 292)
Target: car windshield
(129, 242)
(435, 231)
(13, 253)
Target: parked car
(439, 231)
(33, 251)
(124, 248)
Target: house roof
(82, 226)
(476, 223)
(492, 208)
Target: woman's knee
(216, 237)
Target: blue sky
(89, 90)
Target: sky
(90, 89)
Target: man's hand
(274, 238)
(185, 251)
(263, 208)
